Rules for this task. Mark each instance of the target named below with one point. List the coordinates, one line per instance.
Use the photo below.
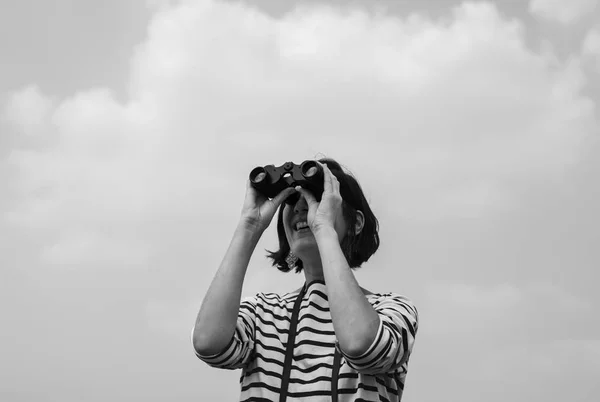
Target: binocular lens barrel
(258, 175)
(311, 171)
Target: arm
(393, 344)
(372, 339)
(217, 319)
(354, 320)
(218, 314)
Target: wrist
(325, 232)
(249, 231)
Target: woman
(329, 340)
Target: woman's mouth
(301, 227)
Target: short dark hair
(357, 248)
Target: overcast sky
(128, 129)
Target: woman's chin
(305, 241)
(305, 249)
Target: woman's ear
(360, 222)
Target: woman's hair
(357, 248)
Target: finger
(279, 198)
(250, 187)
(333, 181)
(327, 186)
(308, 196)
(250, 190)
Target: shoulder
(393, 300)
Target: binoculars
(270, 180)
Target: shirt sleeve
(391, 349)
(239, 350)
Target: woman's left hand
(323, 215)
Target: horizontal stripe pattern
(260, 339)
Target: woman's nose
(301, 204)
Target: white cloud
(451, 117)
(507, 341)
(564, 12)
(28, 109)
(448, 118)
(97, 249)
(591, 46)
(173, 318)
(525, 372)
(487, 309)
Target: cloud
(525, 371)
(173, 318)
(454, 116)
(91, 248)
(471, 311)
(127, 201)
(28, 109)
(564, 12)
(591, 46)
(508, 341)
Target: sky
(128, 129)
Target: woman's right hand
(258, 210)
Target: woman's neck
(312, 272)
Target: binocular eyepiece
(270, 180)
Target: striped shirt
(317, 366)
